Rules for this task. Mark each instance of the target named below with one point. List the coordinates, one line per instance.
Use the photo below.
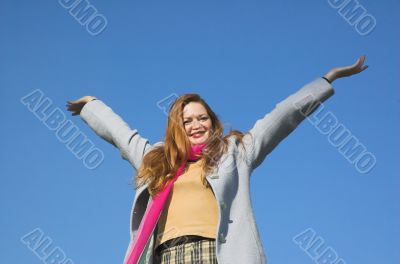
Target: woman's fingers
(360, 63)
(74, 106)
(81, 100)
(357, 67)
(362, 59)
(357, 64)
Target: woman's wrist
(326, 79)
(90, 98)
(330, 76)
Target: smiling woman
(192, 203)
(191, 122)
(197, 123)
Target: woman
(192, 202)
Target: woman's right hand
(76, 106)
(346, 71)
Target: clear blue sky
(243, 57)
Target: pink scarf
(154, 210)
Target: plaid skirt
(198, 252)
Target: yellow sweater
(191, 208)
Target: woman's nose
(195, 124)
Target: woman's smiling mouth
(198, 134)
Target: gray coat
(238, 240)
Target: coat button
(222, 238)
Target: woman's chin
(198, 141)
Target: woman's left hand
(346, 71)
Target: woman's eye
(189, 121)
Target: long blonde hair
(161, 163)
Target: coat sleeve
(110, 126)
(270, 130)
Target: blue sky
(243, 57)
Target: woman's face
(196, 122)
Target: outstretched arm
(269, 131)
(110, 126)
